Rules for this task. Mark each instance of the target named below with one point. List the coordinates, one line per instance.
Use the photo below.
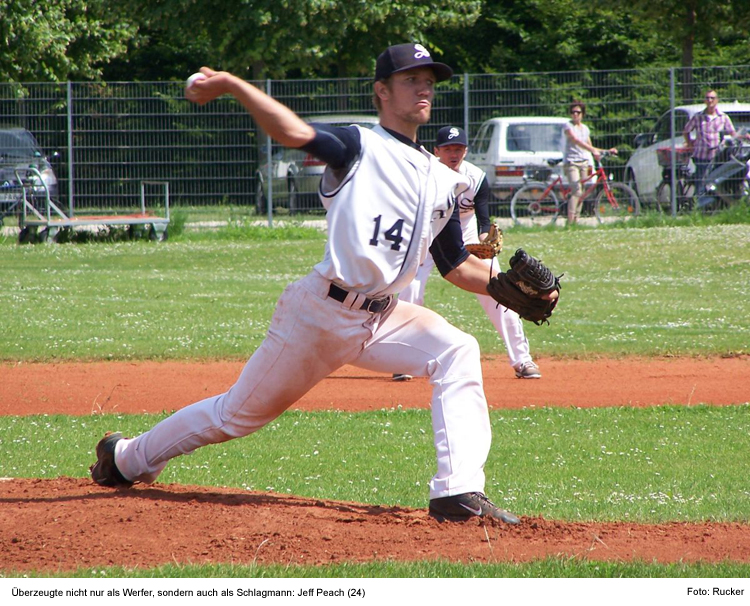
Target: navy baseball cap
(451, 135)
(401, 57)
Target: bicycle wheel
(684, 192)
(685, 196)
(623, 203)
(664, 197)
(529, 205)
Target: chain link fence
(105, 139)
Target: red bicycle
(540, 201)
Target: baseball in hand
(192, 80)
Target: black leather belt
(374, 306)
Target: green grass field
(644, 291)
(653, 290)
(638, 464)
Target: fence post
(673, 153)
(466, 104)
(71, 187)
(269, 159)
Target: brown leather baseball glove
(490, 246)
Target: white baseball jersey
(375, 247)
(466, 205)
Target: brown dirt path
(65, 523)
(137, 387)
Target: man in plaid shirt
(708, 126)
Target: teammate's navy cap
(451, 135)
(401, 57)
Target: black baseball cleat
(104, 472)
(469, 505)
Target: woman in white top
(576, 156)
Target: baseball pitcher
(388, 201)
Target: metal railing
(113, 136)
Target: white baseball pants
(311, 335)
(506, 321)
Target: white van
(504, 147)
(643, 172)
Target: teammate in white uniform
(388, 199)
(451, 146)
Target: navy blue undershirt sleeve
(447, 248)
(482, 207)
(337, 146)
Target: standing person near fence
(709, 125)
(451, 146)
(388, 200)
(576, 164)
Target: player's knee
(472, 346)
(465, 350)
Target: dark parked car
(21, 155)
(296, 174)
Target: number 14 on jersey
(392, 234)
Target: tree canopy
(57, 40)
(53, 40)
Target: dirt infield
(65, 523)
(130, 387)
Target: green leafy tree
(57, 40)
(550, 35)
(374, 25)
(282, 38)
(699, 32)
